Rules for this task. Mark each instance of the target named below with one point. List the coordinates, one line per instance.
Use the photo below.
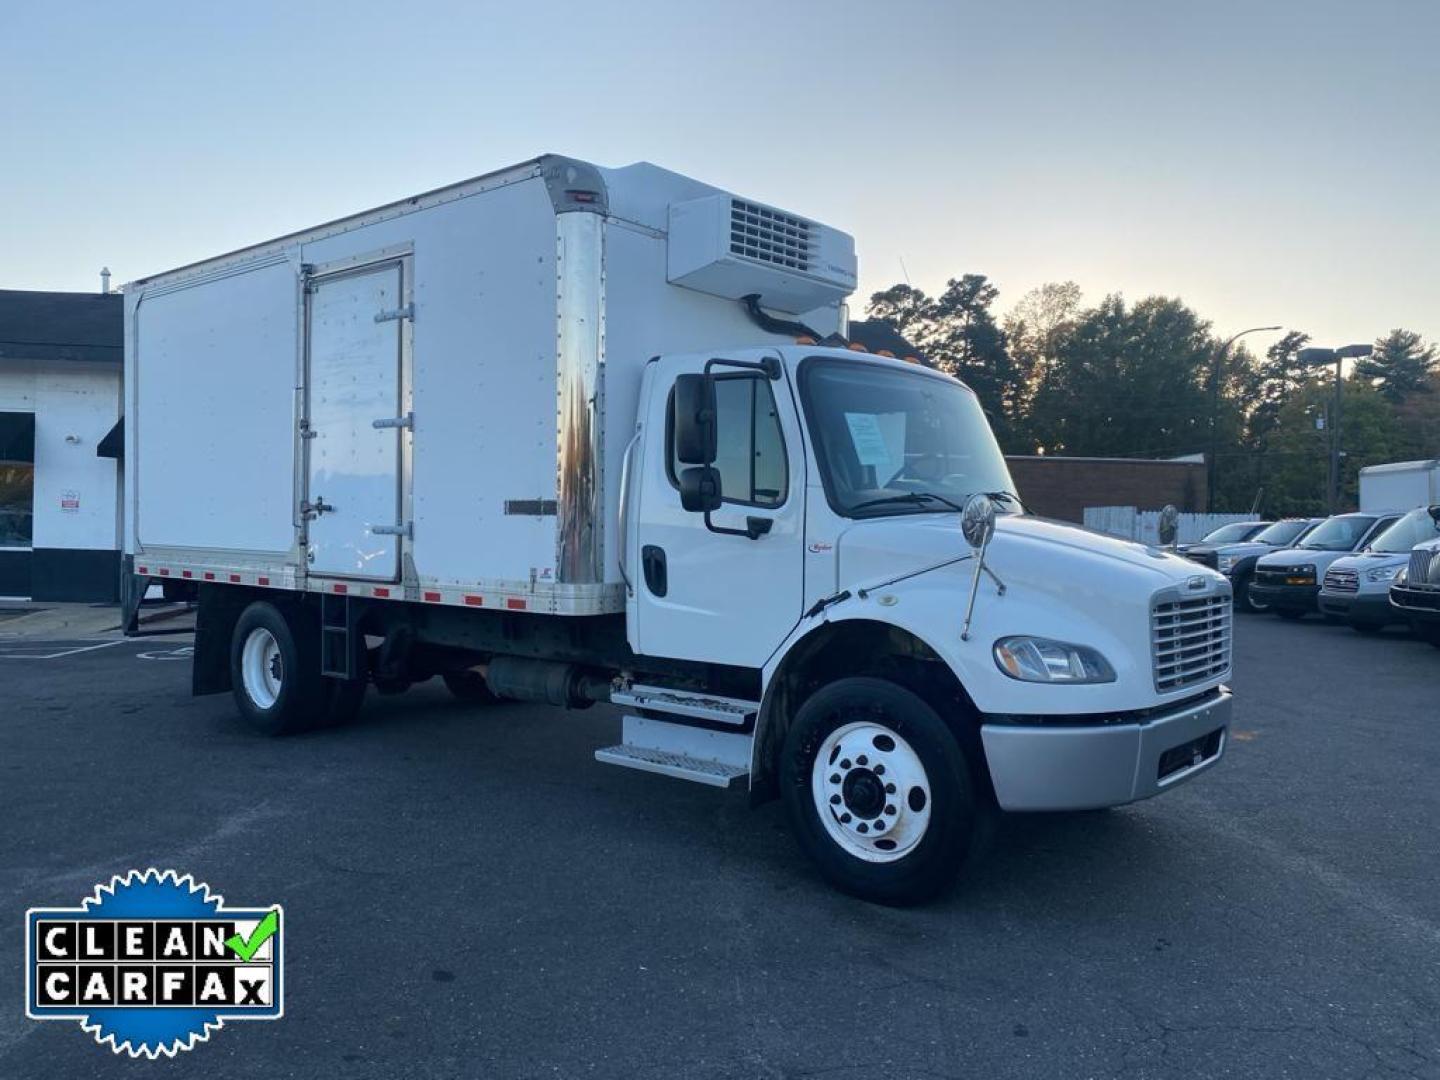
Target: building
(61, 358)
(1062, 487)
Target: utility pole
(1215, 411)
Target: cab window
(750, 446)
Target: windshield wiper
(914, 498)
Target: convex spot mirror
(1169, 525)
(977, 521)
(700, 489)
(692, 415)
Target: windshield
(1338, 533)
(1413, 528)
(1232, 533)
(890, 441)
(1282, 533)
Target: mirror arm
(769, 365)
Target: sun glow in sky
(1266, 162)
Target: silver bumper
(1054, 767)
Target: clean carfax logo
(153, 962)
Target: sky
(1265, 162)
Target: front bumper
(1087, 766)
(1418, 605)
(1286, 597)
(1359, 607)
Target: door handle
(652, 563)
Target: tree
(957, 333)
(1034, 328)
(1127, 382)
(1400, 365)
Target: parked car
(1289, 581)
(1416, 591)
(1236, 560)
(1356, 588)
(1235, 532)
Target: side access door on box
(356, 421)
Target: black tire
(1253, 605)
(469, 687)
(1242, 595)
(1293, 614)
(956, 810)
(303, 701)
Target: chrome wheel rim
(261, 668)
(871, 792)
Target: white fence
(1129, 523)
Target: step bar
(685, 703)
(715, 758)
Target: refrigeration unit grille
(757, 232)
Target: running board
(685, 703)
(717, 758)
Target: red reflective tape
(164, 572)
(262, 581)
(209, 576)
(342, 589)
(475, 601)
(514, 604)
(186, 573)
(143, 570)
(432, 597)
(235, 578)
(382, 593)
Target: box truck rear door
(353, 500)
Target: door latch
(310, 511)
(306, 431)
(406, 421)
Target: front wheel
(878, 791)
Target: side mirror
(1169, 525)
(1434, 513)
(692, 416)
(700, 488)
(977, 522)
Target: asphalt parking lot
(468, 894)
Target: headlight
(1227, 563)
(1402, 576)
(1033, 659)
(1381, 573)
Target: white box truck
(571, 434)
(1400, 485)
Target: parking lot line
(7, 653)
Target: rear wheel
(1242, 595)
(878, 791)
(275, 673)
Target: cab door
(721, 597)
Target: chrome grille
(1190, 640)
(757, 232)
(1342, 580)
(1424, 569)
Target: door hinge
(406, 421)
(406, 530)
(306, 431)
(406, 312)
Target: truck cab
(800, 510)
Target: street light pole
(1339, 356)
(1215, 411)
